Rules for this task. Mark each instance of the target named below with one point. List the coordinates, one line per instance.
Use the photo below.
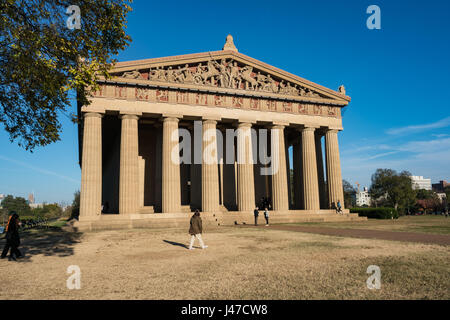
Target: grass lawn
(240, 263)
(421, 224)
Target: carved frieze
(215, 100)
(223, 73)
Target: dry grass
(421, 224)
(240, 263)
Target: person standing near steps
(256, 214)
(266, 216)
(195, 230)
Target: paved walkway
(440, 239)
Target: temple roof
(225, 71)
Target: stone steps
(210, 220)
(147, 209)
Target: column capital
(244, 124)
(209, 121)
(129, 116)
(92, 115)
(280, 123)
(332, 130)
(305, 128)
(136, 113)
(170, 119)
(277, 126)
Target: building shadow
(48, 242)
(176, 244)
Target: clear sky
(398, 78)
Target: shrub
(376, 213)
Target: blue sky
(398, 78)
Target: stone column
(210, 177)
(298, 176)
(310, 180)
(91, 168)
(288, 172)
(245, 185)
(141, 162)
(320, 171)
(280, 199)
(334, 177)
(171, 192)
(129, 165)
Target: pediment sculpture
(224, 73)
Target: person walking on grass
(266, 215)
(195, 230)
(12, 238)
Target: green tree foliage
(447, 193)
(42, 61)
(392, 189)
(48, 211)
(423, 194)
(75, 206)
(349, 191)
(17, 204)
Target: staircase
(233, 218)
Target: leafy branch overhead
(42, 61)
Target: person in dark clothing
(196, 229)
(266, 216)
(12, 238)
(339, 207)
(256, 214)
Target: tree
(75, 206)
(349, 191)
(42, 60)
(17, 204)
(392, 189)
(48, 211)
(423, 194)
(447, 194)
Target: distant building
(440, 187)
(36, 205)
(419, 182)
(362, 198)
(31, 198)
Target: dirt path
(368, 234)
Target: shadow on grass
(176, 244)
(53, 241)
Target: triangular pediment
(227, 72)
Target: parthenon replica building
(127, 143)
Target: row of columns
(307, 160)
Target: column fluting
(280, 199)
(334, 177)
(91, 167)
(210, 177)
(310, 180)
(171, 191)
(245, 185)
(129, 165)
